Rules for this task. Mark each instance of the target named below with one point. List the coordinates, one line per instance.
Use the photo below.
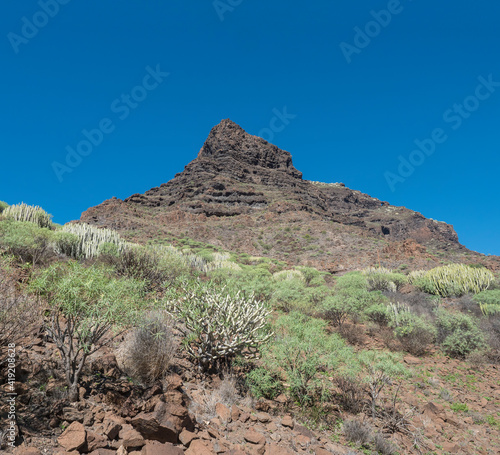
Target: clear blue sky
(361, 88)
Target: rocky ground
(449, 406)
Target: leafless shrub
(204, 402)
(383, 446)
(19, 312)
(352, 333)
(352, 394)
(147, 352)
(357, 432)
(446, 395)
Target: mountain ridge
(240, 186)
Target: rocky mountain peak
(228, 141)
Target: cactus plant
(455, 279)
(219, 326)
(90, 238)
(28, 213)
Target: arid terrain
(241, 309)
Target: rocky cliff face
(243, 193)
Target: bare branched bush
(147, 352)
(19, 312)
(383, 446)
(204, 403)
(351, 394)
(357, 432)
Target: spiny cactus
(458, 279)
(287, 275)
(415, 275)
(376, 270)
(28, 213)
(90, 238)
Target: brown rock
(103, 452)
(235, 413)
(132, 439)
(272, 427)
(186, 437)
(151, 428)
(157, 448)
(71, 414)
(26, 451)
(74, 437)
(111, 427)
(287, 421)
(304, 441)
(263, 417)
(253, 437)
(199, 447)
(223, 412)
(451, 447)
(321, 451)
(96, 441)
(275, 449)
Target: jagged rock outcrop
(240, 184)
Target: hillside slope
(243, 194)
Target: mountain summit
(230, 144)
(243, 194)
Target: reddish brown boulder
(157, 448)
(199, 447)
(223, 412)
(132, 439)
(275, 449)
(253, 437)
(26, 451)
(74, 437)
(96, 441)
(287, 421)
(103, 452)
(186, 437)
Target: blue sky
(357, 83)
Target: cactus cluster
(88, 241)
(288, 275)
(28, 213)
(456, 279)
(220, 326)
(416, 275)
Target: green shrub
(455, 279)
(25, 241)
(458, 333)
(3, 206)
(158, 267)
(414, 332)
(263, 384)
(378, 313)
(84, 304)
(302, 353)
(459, 407)
(350, 299)
(379, 369)
(28, 213)
(219, 326)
